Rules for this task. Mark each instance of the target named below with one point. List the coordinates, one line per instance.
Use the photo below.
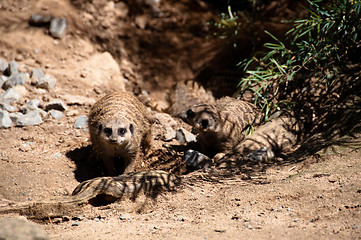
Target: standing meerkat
(221, 126)
(119, 125)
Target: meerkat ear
(131, 128)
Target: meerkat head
(203, 117)
(116, 131)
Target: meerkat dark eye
(204, 123)
(121, 131)
(131, 128)
(100, 127)
(108, 132)
(190, 114)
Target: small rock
(36, 74)
(7, 107)
(164, 119)
(183, 136)
(16, 79)
(3, 66)
(12, 68)
(39, 20)
(169, 134)
(125, 216)
(21, 89)
(56, 105)
(181, 218)
(47, 82)
(15, 116)
(31, 118)
(78, 100)
(141, 21)
(5, 120)
(57, 27)
(32, 105)
(195, 159)
(75, 224)
(81, 122)
(3, 79)
(10, 95)
(19, 228)
(56, 114)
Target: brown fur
(221, 126)
(114, 114)
(186, 94)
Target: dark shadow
(86, 166)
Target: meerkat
(119, 125)
(186, 94)
(221, 126)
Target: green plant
(324, 43)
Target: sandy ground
(316, 198)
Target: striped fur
(119, 124)
(221, 126)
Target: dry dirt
(316, 198)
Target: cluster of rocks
(56, 26)
(13, 83)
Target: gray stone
(125, 216)
(10, 95)
(39, 20)
(32, 105)
(195, 159)
(5, 120)
(3, 79)
(55, 114)
(18, 228)
(7, 107)
(16, 79)
(31, 118)
(12, 68)
(3, 66)
(15, 116)
(58, 27)
(36, 74)
(56, 105)
(47, 82)
(81, 122)
(183, 136)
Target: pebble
(183, 136)
(10, 95)
(195, 159)
(58, 27)
(125, 216)
(181, 218)
(31, 118)
(15, 116)
(56, 114)
(56, 105)
(75, 224)
(3, 79)
(20, 228)
(7, 107)
(47, 82)
(81, 122)
(39, 20)
(13, 68)
(5, 120)
(36, 74)
(3, 66)
(16, 79)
